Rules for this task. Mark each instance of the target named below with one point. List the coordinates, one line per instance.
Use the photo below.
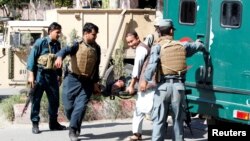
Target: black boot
(35, 128)
(78, 132)
(56, 126)
(73, 135)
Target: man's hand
(58, 62)
(31, 79)
(130, 90)
(202, 47)
(143, 85)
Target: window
(15, 39)
(28, 39)
(188, 11)
(231, 14)
(23, 39)
(1, 39)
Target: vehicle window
(15, 39)
(231, 14)
(1, 39)
(28, 39)
(18, 39)
(187, 11)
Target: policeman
(168, 58)
(45, 77)
(82, 79)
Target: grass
(6, 106)
(99, 107)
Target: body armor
(84, 61)
(47, 61)
(173, 57)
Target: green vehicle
(220, 82)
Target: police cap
(167, 23)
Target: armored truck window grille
(231, 14)
(187, 12)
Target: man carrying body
(141, 60)
(82, 79)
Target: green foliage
(10, 6)
(63, 41)
(105, 4)
(118, 61)
(44, 108)
(98, 108)
(7, 106)
(64, 3)
(45, 105)
(26, 39)
(106, 109)
(74, 36)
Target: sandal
(135, 137)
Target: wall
(113, 25)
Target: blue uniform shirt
(191, 48)
(41, 47)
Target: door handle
(200, 35)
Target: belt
(171, 80)
(79, 76)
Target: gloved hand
(202, 47)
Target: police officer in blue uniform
(43, 77)
(168, 59)
(81, 78)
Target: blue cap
(164, 23)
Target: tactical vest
(47, 60)
(173, 57)
(84, 61)
(146, 60)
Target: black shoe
(56, 126)
(72, 135)
(35, 128)
(78, 132)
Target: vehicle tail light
(241, 115)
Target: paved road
(105, 130)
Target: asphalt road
(104, 130)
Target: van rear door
(230, 43)
(191, 20)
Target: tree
(10, 7)
(64, 3)
(13, 7)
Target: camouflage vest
(83, 62)
(173, 57)
(47, 60)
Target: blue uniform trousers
(168, 93)
(47, 81)
(76, 94)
